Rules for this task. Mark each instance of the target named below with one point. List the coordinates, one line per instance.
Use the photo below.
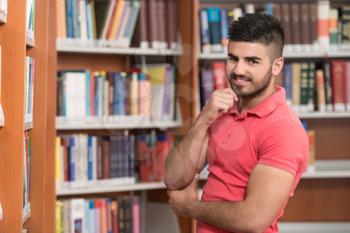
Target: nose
(239, 68)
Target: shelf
(312, 227)
(107, 186)
(119, 122)
(26, 213)
(323, 115)
(323, 169)
(329, 169)
(3, 17)
(95, 47)
(292, 51)
(30, 42)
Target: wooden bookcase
(14, 51)
(114, 59)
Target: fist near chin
(219, 103)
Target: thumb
(194, 183)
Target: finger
(230, 92)
(224, 100)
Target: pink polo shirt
(270, 134)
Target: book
(29, 90)
(338, 87)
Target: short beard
(258, 88)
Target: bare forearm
(231, 216)
(185, 159)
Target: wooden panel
(332, 138)
(11, 135)
(38, 133)
(320, 200)
(50, 193)
(185, 65)
(91, 61)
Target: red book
(162, 150)
(219, 75)
(338, 81)
(144, 156)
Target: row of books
(84, 159)
(152, 23)
(150, 94)
(29, 90)
(309, 86)
(99, 215)
(27, 155)
(309, 23)
(30, 19)
(318, 86)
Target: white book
(323, 9)
(75, 94)
(77, 215)
(83, 20)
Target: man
(254, 143)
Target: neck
(250, 102)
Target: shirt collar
(267, 106)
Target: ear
(277, 66)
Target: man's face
(249, 68)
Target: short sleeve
(284, 145)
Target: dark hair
(258, 27)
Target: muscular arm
(188, 157)
(267, 192)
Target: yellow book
(157, 75)
(59, 227)
(58, 158)
(115, 22)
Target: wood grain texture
(91, 62)
(40, 212)
(332, 138)
(51, 56)
(11, 135)
(320, 200)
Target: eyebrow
(230, 55)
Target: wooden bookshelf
(66, 47)
(75, 54)
(96, 124)
(110, 187)
(38, 216)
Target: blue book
(116, 84)
(122, 94)
(269, 8)
(96, 93)
(69, 6)
(224, 25)
(71, 156)
(90, 160)
(214, 21)
(288, 82)
(204, 29)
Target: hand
(183, 201)
(219, 103)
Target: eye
(253, 62)
(231, 58)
